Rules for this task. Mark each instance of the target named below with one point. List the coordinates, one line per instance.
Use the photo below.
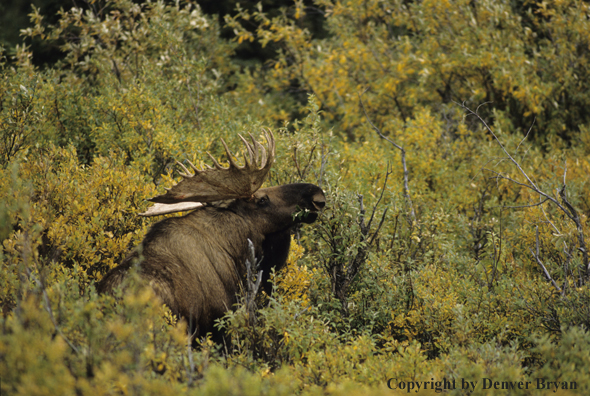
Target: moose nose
(319, 201)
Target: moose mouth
(309, 215)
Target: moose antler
(218, 183)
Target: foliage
(528, 58)
(484, 275)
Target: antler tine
(197, 170)
(264, 157)
(214, 162)
(257, 151)
(186, 171)
(257, 146)
(271, 147)
(230, 157)
(251, 152)
(250, 160)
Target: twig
(26, 255)
(565, 206)
(195, 105)
(524, 138)
(49, 310)
(523, 206)
(532, 185)
(536, 256)
(403, 155)
(252, 285)
(323, 162)
(189, 351)
(387, 173)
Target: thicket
(451, 139)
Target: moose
(196, 263)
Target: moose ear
(218, 183)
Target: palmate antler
(218, 183)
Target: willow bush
(450, 267)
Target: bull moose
(196, 263)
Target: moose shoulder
(196, 263)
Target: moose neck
(271, 248)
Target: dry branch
(412, 215)
(564, 206)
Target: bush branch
(412, 216)
(565, 206)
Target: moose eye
(263, 201)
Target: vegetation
(452, 141)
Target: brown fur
(196, 263)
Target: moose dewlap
(196, 263)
